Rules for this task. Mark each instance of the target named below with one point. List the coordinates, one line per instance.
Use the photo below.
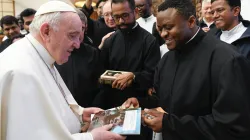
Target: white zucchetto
(54, 6)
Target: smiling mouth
(168, 41)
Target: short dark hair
(8, 20)
(130, 2)
(98, 2)
(184, 7)
(231, 3)
(27, 12)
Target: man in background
(232, 29)
(147, 19)
(207, 21)
(131, 48)
(10, 28)
(97, 29)
(27, 17)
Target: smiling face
(206, 11)
(107, 14)
(60, 43)
(11, 30)
(174, 28)
(225, 17)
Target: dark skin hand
(123, 80)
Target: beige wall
(20, 5)
(245, 9)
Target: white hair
(53, 19)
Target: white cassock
(32, 104)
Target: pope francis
(35, 103)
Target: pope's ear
(45, 31)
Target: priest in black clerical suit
(202, 83)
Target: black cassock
(135, 51)
(81, 74)
(204, 86)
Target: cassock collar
(48, 59)
(194, 35)
(128, 32)
(192, 43)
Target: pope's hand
(153, 119)
(103, 133)
(86, 116)
(130, 102)
(123, 80)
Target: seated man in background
(10, 28)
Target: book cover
(109, 76)
(126, 121)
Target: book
(109, 76)
(126, 121)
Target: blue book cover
(126, 121)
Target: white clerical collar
(148, 18)
(135, 25)
(233, 30)
(49, 60)
(207, 23)
(194, 35)
(233, 34)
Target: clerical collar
(207, 23)
(148, 18)
(136, 24)
(194, 35)
(48, 59)
(233, 34)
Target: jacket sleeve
(229, 118)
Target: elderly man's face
(64, 40)
(206, 10)
(107, 14)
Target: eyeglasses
(124, 16)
